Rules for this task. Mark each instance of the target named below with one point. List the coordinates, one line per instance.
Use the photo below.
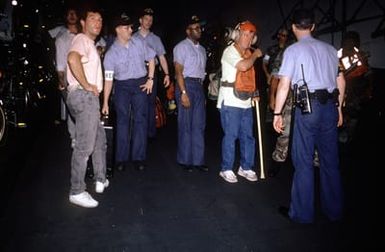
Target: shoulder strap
(246, 54)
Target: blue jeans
(316, 130)
(90, 138)
(237, 123)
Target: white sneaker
(99, 187)
(83, 199)
(247, 174)
(229, 176)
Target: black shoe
(284, 211)
(139, 165)
(188, 168)
(109, 172)
(151, 139)
(274, 169)
(120, 167)
(202, 168)
(272, 172)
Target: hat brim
(123, 24)
(200, 22)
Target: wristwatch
(184, 92)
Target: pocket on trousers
(76, 101)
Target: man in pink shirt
(85, 82)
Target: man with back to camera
(313, 62)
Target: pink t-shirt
(90, 60)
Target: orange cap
(248, 26)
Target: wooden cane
(262, 169)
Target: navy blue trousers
(191, 125)
(130, 102)
(316, 130)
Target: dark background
(165, 208)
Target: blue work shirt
(192, 57)
(319, 61)
(152, 41)
(128, 62)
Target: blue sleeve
(108, 62)
(179, 55)
(159, 47)
(288, 64)
(149, 53)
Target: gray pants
(65, 115)
(90, 138)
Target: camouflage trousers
(282, 144)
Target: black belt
(194, 79)
(227, 84)
(322, 95)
